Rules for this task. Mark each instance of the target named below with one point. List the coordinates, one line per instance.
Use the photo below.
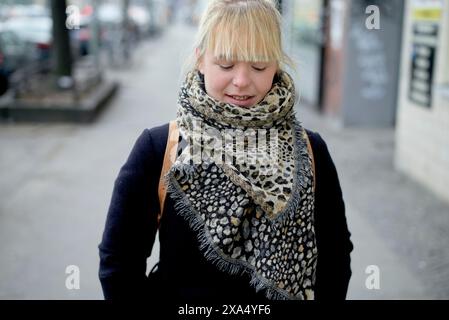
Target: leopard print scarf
(244, 181)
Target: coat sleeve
(131, 224)
(332, 234)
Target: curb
(84, 111)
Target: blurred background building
(422, 131)
(395, 76)
(346, 70)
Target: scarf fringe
(234, 267)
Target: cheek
(217, 85)
(265, 86)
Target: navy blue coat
(183, 272)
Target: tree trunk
(62, 56)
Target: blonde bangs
(242, 37)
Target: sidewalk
(396, 224)
(57, 182)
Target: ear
(199, 60)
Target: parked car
(38, 31)
(14, 54)
(35, 31)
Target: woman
(242, 220)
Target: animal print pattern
(247, 221)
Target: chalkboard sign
(371, 64)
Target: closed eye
(259, 69)
(226, 67)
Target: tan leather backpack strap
(309, 148)
(169, 159)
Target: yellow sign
(427, 14)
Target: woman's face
(237, 82)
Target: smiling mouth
(240, 98)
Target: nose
(241, 77)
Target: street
(57, 179)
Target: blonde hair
(240, 30)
